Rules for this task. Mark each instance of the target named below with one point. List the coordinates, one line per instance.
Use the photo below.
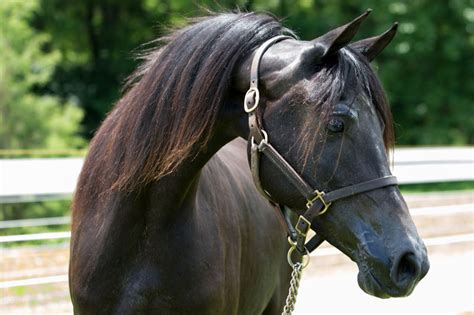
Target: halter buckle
(302, 226)
(319, 195)
(251, 97)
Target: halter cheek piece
(317, 202)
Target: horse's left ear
(373, 46)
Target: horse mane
(172, 100)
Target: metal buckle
(319, 195)
(249, 98)
(308, 225)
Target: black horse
(166, 217)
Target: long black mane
(174, 100)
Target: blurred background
(62, 65)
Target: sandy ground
(447, 289)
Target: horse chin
(370, 284)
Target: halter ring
(264, 140)
(304, 258)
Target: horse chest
(207, 272)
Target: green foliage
(41, 153)
(57, 54)
(427, 70)
(30, 119)
(96, 39)
(40, 209)
(433, 187)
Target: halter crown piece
(317, 202)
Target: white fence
(436, 164)
(23, 180)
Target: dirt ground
(447, 289)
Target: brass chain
(293, 291)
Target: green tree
(97, 40)
(29, 119)
(427, 70)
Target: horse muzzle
(396, 277)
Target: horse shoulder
(254, 238)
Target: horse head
(325, 112)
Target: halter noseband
(317, 202)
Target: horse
(167, 217)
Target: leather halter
(318, 202)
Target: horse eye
(336, 125)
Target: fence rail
(8, 224)
(415, 212)
(23, 180)
(34, 237)
(438, 164)
(439, 210)
(26, 180)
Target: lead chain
(293, 291)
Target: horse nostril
(406, 270)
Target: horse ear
(337, 38)
(372, 47)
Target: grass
(434, 187)
(41, 153)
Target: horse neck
(177, 190)
(117, 220)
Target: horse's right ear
(372, 47)
(334, 40)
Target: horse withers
(166, 218)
